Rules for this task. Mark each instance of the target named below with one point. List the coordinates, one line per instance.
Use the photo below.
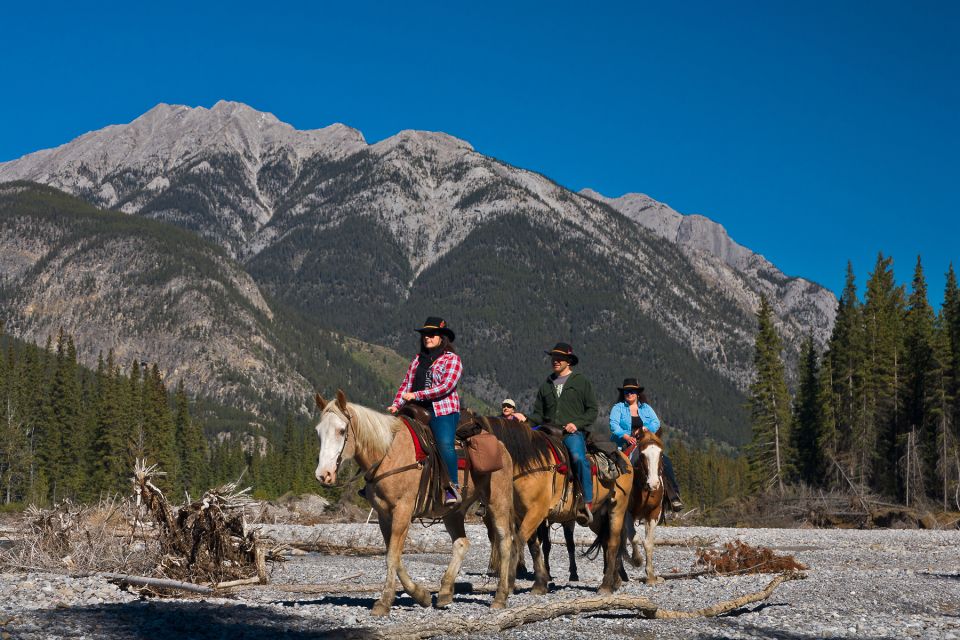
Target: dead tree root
(540, 611)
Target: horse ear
(341, 400)
(321, 403)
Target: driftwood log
(537, 612)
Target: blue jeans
(576, 444)
(444, 430)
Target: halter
(346, 434)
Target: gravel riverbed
(860, 584)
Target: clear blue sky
(815, 131)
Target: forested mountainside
(152, 292)
(366, 240)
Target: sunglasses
(629, 393)
(508, 406)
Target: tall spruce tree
(846, 359)
(875, 438)
(769, 403)
(828, 440)
(920, 371)
(159, 428)
(806, 429)
(191, 443)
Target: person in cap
(566, 399)
(631, 416)
(431, 381)
(508, 409)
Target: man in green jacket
(566, 400)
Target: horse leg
(528, 530)
(494, 562)
(568, 528)
(611, 554)
(394, 529)
(499, 503)
(543, 535)
(633, 536)
(650, 524)
(454, 524)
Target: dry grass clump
(80, 539)
(739, 557)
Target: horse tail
(594, 549)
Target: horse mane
(374, 431)
(649, 438)
(527, 448)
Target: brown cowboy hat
(565, 351)
(630, 384)
(433, 324)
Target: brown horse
(646, 500)
(383, 447)
(541, 492)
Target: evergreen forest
(878, 412)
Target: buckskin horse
(646, 499)
(541, 492)
(384, 448)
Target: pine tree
(828, 440)
(191, 444)
(159, 428)
(919, 371)
(113, 460)
(846, 363)
(769, 403)
(68, 420)
(874, 440)
(806, 429)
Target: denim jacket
(620, 421)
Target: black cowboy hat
(565, 351)
(630, 384)
(434, 324)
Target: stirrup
(451, 496)
(676, 504)
(584, 515)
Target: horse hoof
(605, 590)
(424, 599)
(444, 601)
(380, 609)
(539, 590)
(496, 604)
(653, 581)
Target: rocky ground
(864, 584)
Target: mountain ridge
(361, 239)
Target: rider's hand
(570, 427)
(408, 396)
(630, 440)
(519, 416)
(392, 409)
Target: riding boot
(671, 486)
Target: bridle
(346, 435)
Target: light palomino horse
(381, 442)
(539, 491)
(646, 500)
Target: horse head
(650, 448)
(333, 430)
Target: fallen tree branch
(163, 583)
(540, 611)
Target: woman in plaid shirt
(431, 381)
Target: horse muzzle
(326, 478)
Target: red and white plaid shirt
(446, 371)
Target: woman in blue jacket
(628, 418)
